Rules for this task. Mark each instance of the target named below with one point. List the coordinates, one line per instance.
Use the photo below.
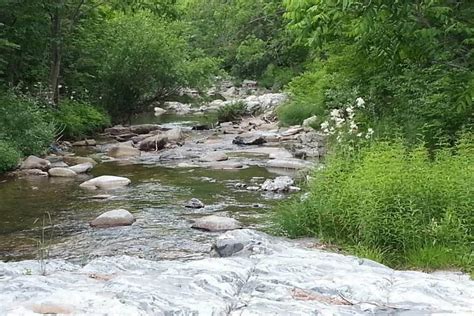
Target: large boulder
(249, 140)
(279, 184)
(82, 167)
(215, 223)
(174, 135)
(123, 152)
(61, 172)
(105, 183)
(310, 121)
(144, 128)
(33, 162)
(113, 218)
(153, 143)
(76, 160)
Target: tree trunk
(56, 43)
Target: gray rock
(159, 111)
(105, 183)
(117, 129)
(113, 218)
(268, 276)
(215, 223)
(86, 142)
(227, 165)
(194, 203)
(76, 160)
(288, 163)
(310, 121)
(174, 135)
(279, 184)
(61, 172)
(31, 172)
(59, 164)
(33, 162)
(153, 143)
(214, 156)
(82, 167)
(292, 131)
(249, 140)
(145, 128)
(123, 152)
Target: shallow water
(156, 198)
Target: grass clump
(403, 207)
(231, 112)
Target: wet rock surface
(215, 223)
(113, 218)
(267, 276)
(105, 183)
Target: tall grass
(405, 207)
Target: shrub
(231, 112)
(9, 156)
(79, 119)
(23, 125)
(307, 97)
(400, 204)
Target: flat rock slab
(288, 164)
(249, 140)
(214, 156)
(113, 218)
(267, 276)
(215, 223)
(61, 172)
(105, 183)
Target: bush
(79, 119)
(144, 59)
(307, 93)
(231, 112)
(396, 203)
(9, 156)
(23, 124)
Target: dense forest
(390, 83)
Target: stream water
(156, 197)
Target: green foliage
(79, 119)
(22, 124)
(144, 59)
(397, 203)
(246, 35)
(9, 156)
(411, 60)
(276, 78)
(308, 97)
(231, 112)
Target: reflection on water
(156, 197)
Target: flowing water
(156, 197)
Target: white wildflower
(359, 134)
(370, 132)
(335, 113)
(339, 121)
(360, 102)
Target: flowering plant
(343, 128)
